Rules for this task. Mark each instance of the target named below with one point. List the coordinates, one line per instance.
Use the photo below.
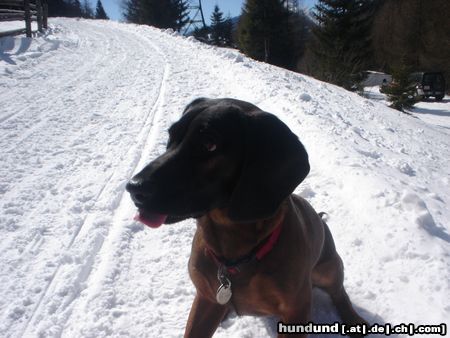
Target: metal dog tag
(224, 293)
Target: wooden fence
(26, 10)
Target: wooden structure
(24, 10)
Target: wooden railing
(26, 10)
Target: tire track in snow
(38, 126)
(121, 229)
(102, 203)
(133, 156)
(41, 123)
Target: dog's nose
(136, 189)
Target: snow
(428, 110)
(88, 103)
(437, 113)
(13, 25)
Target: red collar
(258, 253)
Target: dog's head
(222, 153)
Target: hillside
(89, 103)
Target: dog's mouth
(150, 219)
(155, 220)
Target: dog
(258, 249)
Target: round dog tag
(223, 294)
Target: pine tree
(86, 10)
(180, 10)
(301, 34)
(202, 34)
(75, 9)
(264, 32)
(401, 91)
(217, 26)
(228, 32)
(417, 29)
(100, 11)
(158, 13)
(133, 11)
(58, 8)
(343, 38)
(69, 8)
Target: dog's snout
(136, 189)
(134, 185)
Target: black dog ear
(274, 164)
(198, 104)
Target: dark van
(430, 84)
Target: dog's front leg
(204, 318)
(300, 313)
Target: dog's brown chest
(259, 295)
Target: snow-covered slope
(88, 104)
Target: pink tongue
(151, 220)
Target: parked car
(429, 84)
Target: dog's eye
(210, 146)
(209, 142)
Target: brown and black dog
(258, 248)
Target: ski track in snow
(88, 104)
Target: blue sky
(232, 7)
